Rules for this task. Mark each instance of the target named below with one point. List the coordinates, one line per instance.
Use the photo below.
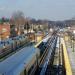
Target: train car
(20, 40)
(12, 44)
(6, 47)
(23, 39)
(17, 41)
(1, 48)
(21, 63)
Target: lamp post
(73, 39)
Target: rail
(47, 60)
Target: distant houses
(11, 27)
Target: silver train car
(12, 44)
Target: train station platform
(69, 56)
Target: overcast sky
(39, 9)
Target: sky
(39, 9)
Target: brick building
(4, 31)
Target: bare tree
(18, 19)
(27, 24)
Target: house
(4, 30)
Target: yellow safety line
(38, 43)
(66, 59)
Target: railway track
(47, 56)
(57, 67)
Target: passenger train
(12, 44)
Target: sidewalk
(71, 55)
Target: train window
(31, 69)
(23, 72)
(24, 36)
(2, 42)
(8, 42)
